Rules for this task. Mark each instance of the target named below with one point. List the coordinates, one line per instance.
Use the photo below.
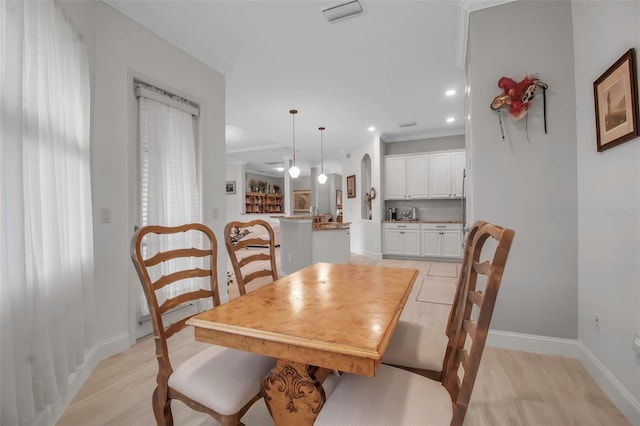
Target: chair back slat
(177, 326)
(476, 297)
(251, 243)
(253, 258)
(175, 254)
(257, 274)
(482, 268)
(171, 253)
(470, 328)
(469, 335)
(183, 299)
(181, 275)
(249, 249)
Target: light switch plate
(105, 215)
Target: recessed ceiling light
(280, 169)
(371, 129)
(450, 119)
(450, 92)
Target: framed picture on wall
(351, 186)
(301, 201)
(338, 197)
(616, 103)
(231, 187)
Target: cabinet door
(416, 173)
(451, 243)
(431, 243)
(440, 175)
(394, 177)
(457, 172)
(411, 243)
(393, 242)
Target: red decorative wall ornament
(515, 97)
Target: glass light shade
(322, 178)
(294, 172)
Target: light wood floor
(513, 388)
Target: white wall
(118, 50)
(608, 200)
(530, 187)
(365, 234)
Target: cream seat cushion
(220, 378)
(393, 397)
(417, 346)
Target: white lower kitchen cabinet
(441, 240)
(402, 239)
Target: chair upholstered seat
(393, 397)
(417, 346)
(220, 378)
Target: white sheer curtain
(46, 241)
(169, 181)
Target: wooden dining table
(324, 317)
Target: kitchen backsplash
(428, 209)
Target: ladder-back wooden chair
(397, 396)
(251, 248)
(177, 268)
(421, 348)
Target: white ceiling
(387, 66)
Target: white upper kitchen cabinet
(458, 162)
(394, 177)
(406, 176)
(440, 175)
(446, 170)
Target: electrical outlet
(596, 322)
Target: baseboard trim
(370, 254)
(615, 391)
(96, 354)
(533, 343)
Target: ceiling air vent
(342, 10)
(413, 123)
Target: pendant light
(322, 178)
(294, 171)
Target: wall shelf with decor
(257, 202)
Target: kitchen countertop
(330, 226)
(421, 221)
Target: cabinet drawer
(442, 226)
(401, 226)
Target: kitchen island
(304, 241)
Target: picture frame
(616, 103)
(351, 186)
(338, 197)
(301, 201)
(231, 187)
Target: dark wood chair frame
(233, 246)
(163, 394)
(450, 327)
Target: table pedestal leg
(292, 395)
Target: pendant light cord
(293, 113)
(321, 150)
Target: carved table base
(292, 395)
